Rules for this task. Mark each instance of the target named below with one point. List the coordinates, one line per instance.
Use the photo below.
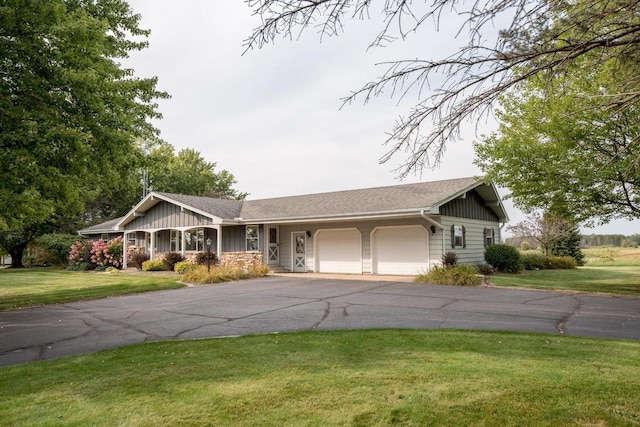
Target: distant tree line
(610, 240)
(586, 241)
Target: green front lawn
(38, 286)
(615, 280)
(362, 378)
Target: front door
(299, 241)
(273, 246)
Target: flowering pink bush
(79, 256)
(96, 254)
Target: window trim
(255, 239)
(175, 241)
(199, 243)
(462, 235)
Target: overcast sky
(272, 117)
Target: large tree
(187, 172)
(557, 149)
(69, 112)
(538, 38)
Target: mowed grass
(38, 286)
(611, 280)
(360, 378)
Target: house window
(194, 240)
(104, 237)
(175, 241)
(252, 238)
(131, 239)
(489, 237)
(458, 236)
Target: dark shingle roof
(368, 201)
(357, 202)
(103, 227)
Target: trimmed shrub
(450, 259)
(460, 275)
(138, 259)
(534, 261)
(152, 265)
(182, 267)
(504, 258)
(562, 262)
(170, 259)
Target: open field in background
(361, 378)
(26, 287)
(612, 256)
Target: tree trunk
(16, 257)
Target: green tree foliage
(69, 113)
(536, 40)
(187, 172)
(557, 150)
(568, 245)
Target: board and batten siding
(365, 228)
(473, 253)
(234, 238)
(166, 215)
(472, 206)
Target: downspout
(440, 226)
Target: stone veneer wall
(241, 259)
(233, 259)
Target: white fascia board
(335, 218)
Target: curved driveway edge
(278, 304)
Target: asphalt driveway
(278, 304)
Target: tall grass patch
(459, 275)
(223, 273)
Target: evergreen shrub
(504, 258)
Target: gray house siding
(166, 215)
(234, 238)
(473, 250)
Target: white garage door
(400, 250)
(339, 251)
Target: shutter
(453, 237)
(464, 237)
(484, 236)
(493, 236)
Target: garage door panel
(400, 250)
(339, 251)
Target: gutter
(440, 226)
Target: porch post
(125, 241)
(183, 243)
(218, 229)
(152, 249)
